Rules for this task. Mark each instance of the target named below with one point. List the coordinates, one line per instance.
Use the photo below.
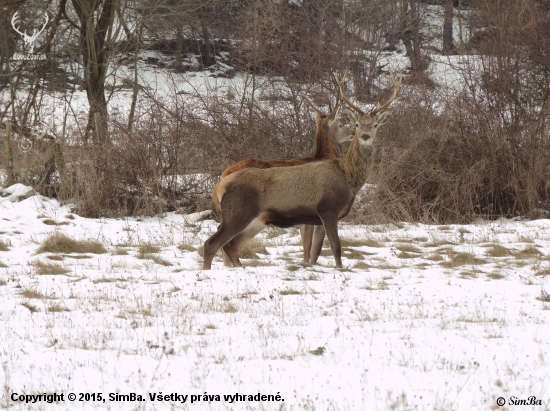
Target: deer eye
(376, 125)
(356, 124)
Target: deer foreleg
(306, 232)
(317, 243)
(330, 222)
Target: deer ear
(350, 116)
(383, 117)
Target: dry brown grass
(528, 252)
(60, 243)
(251, 249)
(456, 165)
(49, 221)
(186, 247)
(49, 268)
(497, 250)
(148, 249)
(408, 248)
(460, 259)
(4, 245)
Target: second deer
(314, 193)
(329, 135)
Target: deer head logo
(29, 40)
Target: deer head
(366, 124)
(336, 129)
(29, 40)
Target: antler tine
(14, 21)
(340, 83)
(329, 103)
(308, 101)
(396, 87)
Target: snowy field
(422, 317)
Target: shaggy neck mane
(324, 144)
(356, 163)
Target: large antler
(314, 107)
(308, 101)
(396, 87)
(378, 107)
(340, 83)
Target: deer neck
(324, 144)
(356, 164)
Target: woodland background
(121, 142)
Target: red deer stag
(330, 134)
(315, 193)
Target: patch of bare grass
(55, 257)
(120, 251)
(460, 259)
(468, 274)
(49, 221)
(49, 268)
(57, 308)
(33, 294)
(161, 261)
(544, 296)
(496, 275)
(497, 250)
(528, 252)
(260, 262)
(360, 265)
(404, 254)
(352, 254)
(434, 257)
(61, 243)
(408, 248)
(229, 308)
(32, 308)
(290, 291)
(147, 249)
(4, 245)
(186, 247)
(438, 243)
(251, 249)
(104, 280)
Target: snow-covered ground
(423, 317)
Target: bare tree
(97, 33)
(448, 44)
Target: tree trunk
(410, 34)
(208, 58)
(179, 47)
(95, 44)
(448, 45)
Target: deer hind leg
(306, 232)
(330, 222)
(231, 249)
(317, 243)
(226, 260)
(221, 237)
